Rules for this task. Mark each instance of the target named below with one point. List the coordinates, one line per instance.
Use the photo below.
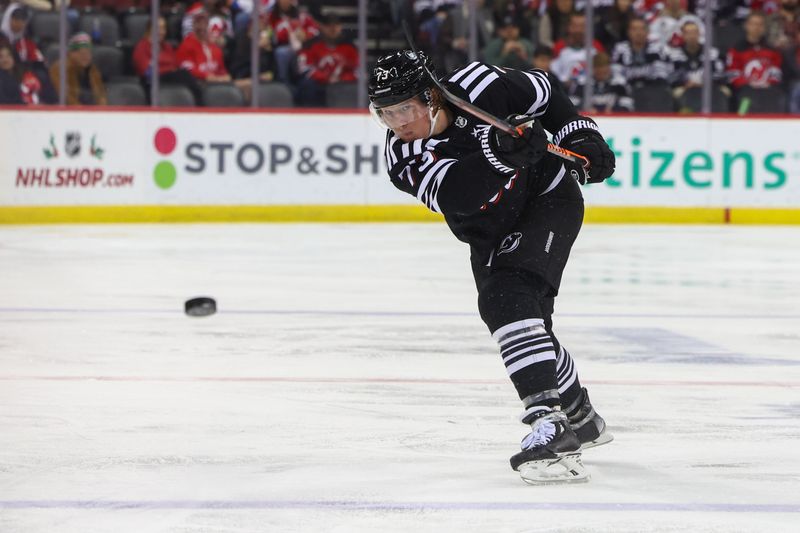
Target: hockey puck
(202, 306)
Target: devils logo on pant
(510, 243)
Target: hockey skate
(550, 452)
(586, 423)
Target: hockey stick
(477, 112)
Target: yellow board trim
(765, 216)
(655, 215)
(372, 213)
(215, 213)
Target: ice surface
(348, 384)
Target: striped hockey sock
(569, 386)
(530, 359)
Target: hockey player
(520, 209)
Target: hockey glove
(591, 145)
(519, 152)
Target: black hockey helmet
(398, 77)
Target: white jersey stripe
(466, 82)
(482, 85)
(541, 86)
(387, 153)
(427, 178)
(392, 154)
(435, 193)
(457, 76)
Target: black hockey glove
(591, 145)
(519, 152)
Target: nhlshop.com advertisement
(151, 158)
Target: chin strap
(433, 118)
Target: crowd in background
(647, 55)
(200, 43)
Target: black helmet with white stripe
(398, 77)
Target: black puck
(201, 306)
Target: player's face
(409, 119)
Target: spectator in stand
(608, 95)
(612, 25)
(9, 90)
(220, 25)
(430, 22)
(454, 33)
(242, 65)
(40, 5)
(784, 24)
(543, 57)
(84, 82)
(168, 69)
(753, 62)
(687, 62)
(792, 65)
(665, 30)
(199, 55)
(15, 20)
(325, 61)
(508, 49)
(34, 86)
(638, 61)
(569, 64)
(553, 25)
(520, 11)
(291, 27)
(242, 12)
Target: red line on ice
(423, 381)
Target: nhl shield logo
(72, 144)
(460, 122)
(510, 243)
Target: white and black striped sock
(569, 387)
(529, 356)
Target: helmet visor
(398, 115)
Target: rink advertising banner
(86, 166)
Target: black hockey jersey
(455, 172)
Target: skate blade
(604, 438)
(565, 469)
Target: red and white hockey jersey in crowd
(284, 27)
(202, 59)
(28, 51)
(754, 65)
(326, 63)
(569, 64)
(30, 87)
